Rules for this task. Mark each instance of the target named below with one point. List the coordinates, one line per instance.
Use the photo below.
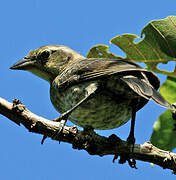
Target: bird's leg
(63, 118)
(131, 139)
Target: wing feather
(95, 68)
(146, 91)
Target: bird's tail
(148, 92)
(159, 99)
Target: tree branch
(93, 143)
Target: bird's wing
(143, 89)
(95, 68)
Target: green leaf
(101, 51)
(168, 89)
(158, 45)
(163, 135)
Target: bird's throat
(42, 74)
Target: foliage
(158, 46)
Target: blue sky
(26, 25)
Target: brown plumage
(117, 88)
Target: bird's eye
(44, 55)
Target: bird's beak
(23, 64)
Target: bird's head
(48, 61)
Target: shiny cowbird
(97, 93)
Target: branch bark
(93, 143)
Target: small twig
(93, 143)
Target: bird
(95, 93)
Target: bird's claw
(131, 162)
(43, 139)
(123, 159)
(58, 131)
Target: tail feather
(139, 87)
(160, 100)
(147, 91)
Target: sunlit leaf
(168, 89)
(158, 45)
(101, 51)
(163, 135)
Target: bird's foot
(123, 158)
(61, 120)
(131, 161)
(59, 130)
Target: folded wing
(146, 90)
(140, 80)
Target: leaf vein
(159, 32)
